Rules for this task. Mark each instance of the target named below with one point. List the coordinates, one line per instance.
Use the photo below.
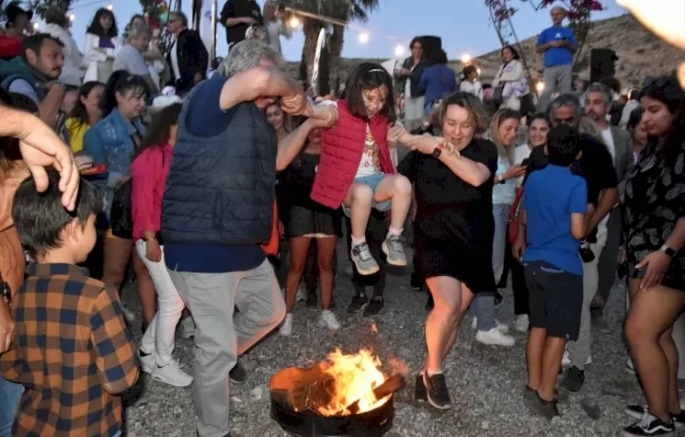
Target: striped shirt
(72, 353)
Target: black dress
(454, 226)
(654, 201)
(305, 217)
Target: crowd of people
(228, 195)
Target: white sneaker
(147, 362)
(129, 316)
(503, 328)
(172, 374)
(566, 360)
(301, 295)
(494, 337)
(328, 320)
(630, 367)
(287, 325)
(187, 328)
(522, 323)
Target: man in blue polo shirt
(554, 210)
(558, 45)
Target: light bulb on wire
(109, 7)
(466, 58)
(72, 17)
(36, 26)
(399, 50)
(540, 87)
(294, 23)
(363, 37)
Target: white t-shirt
(130, 59)
(174, 61)
(475, 88)
(609, 141)
(370, 164)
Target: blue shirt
(436, 82)
(550, 196)
(557, 56)
(206, 119)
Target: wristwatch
(668, 250)
(502, 180)
(438, 150)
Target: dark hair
(40, 217)
(468, 70)
(24, 103)
(514, 52)
(158, 130)
(635, 118)
(634, 94)
(120, 82)
(467, 101)
(52, 15)
(438, 57)
(563, 145)
(667, 90)
(35, 42)
(79, 112)
(96, 28)
(415, 40)
(538, 116)
(367, 76)
(13, 10)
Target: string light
(540, 87)
(109, 7)
(36, 26)
(466, 58)
(399, 50)
(294, 23)
(72, 17)
(363, 37)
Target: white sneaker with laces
(566, 360)
(494, 337)
(522, 323)
(286, 328)
(187, 328)
(147, 361)
(328, 320)
(503, 328)
(172, 374)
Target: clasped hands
(321, 116)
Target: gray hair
(565, 101)
(139, 31)
(599, 87)
(180, 16)
(559, 8)
(246, 55)
(587, 126)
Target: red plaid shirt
(72, 353)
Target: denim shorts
(372, 181)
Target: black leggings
(518, 281)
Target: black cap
(13, 10)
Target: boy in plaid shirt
(72, 351)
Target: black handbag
(497, 98)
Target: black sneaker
(420, 389)
(573, 380)
(436, 391)
(359, 302)
(637, 411)
(238, 374)
(374, 307)
(649, 426)
(499, 298)
(539, 406)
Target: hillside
(640, 53)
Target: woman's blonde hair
(468, 101)
(502, 115)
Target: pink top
(148, 178)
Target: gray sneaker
(363, 260)
(394, 250)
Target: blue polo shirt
(206, 119)
(557, 56)
(550, 196)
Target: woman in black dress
(453, 229)
(654, 232)
(306, 221)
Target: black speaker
(602, 64)
(431, 44)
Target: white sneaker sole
(428, 398)
(170, 382)
(391, 261)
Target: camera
(585, 252)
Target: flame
(355, 376)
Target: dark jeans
(608, 262)
(376, 232)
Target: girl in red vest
(355, 169)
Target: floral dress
(654, 201)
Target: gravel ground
(486, 382)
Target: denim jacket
(109, 142)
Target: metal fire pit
(293, 408)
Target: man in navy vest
(218, 208)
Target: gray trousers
(608, 261)
(558, 79)
(579, 351)
(221, 337)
